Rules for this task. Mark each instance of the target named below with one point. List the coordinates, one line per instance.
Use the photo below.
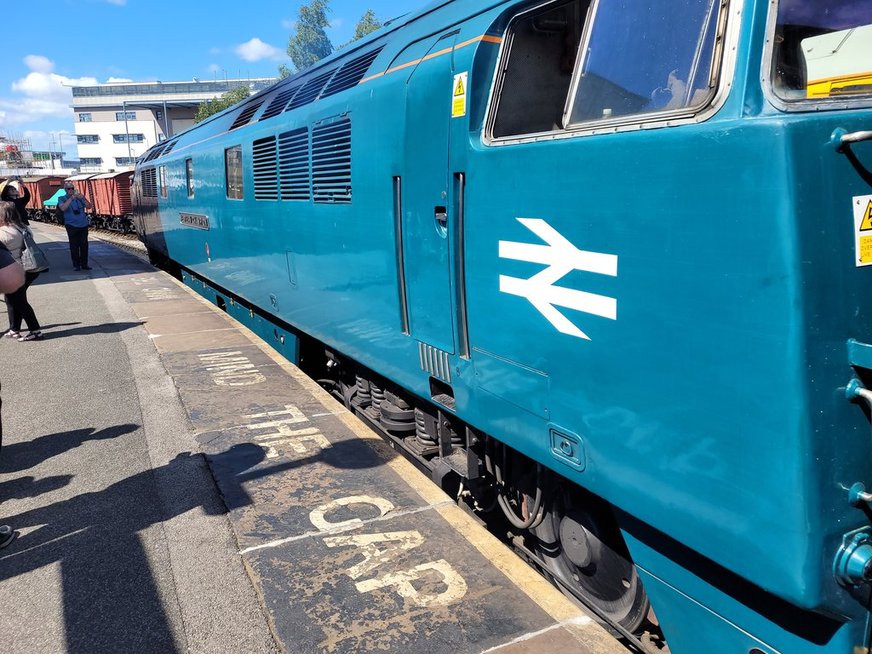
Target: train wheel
(582, 546)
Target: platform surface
(179, 486)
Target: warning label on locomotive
(197, 220)
(863, 229)
(458, 99)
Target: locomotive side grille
(435, 361)
(277, 105)
(169, 147)
(294, 164)
(156, 152)
(149, 183)
(331, 162)
(245, 115)
(350, 73)
(264, 163)
(310, 90)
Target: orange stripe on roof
(484, 37)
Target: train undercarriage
(568, 534)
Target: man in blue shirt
(73, 204)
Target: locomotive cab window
(568, 65)
(233, 172)
(540, 54)
(641, 58)
(821, 51)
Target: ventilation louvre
(245, 115)
(156, 152)
(294, 164)
(277, 105)
(149, 183)
(351, 73)
(331, 162)
(310, 90)
(264, 164)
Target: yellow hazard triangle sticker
(866, 222)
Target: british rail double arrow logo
(561, 257)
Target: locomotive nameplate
(196, 220)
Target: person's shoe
(87, 268)
(77, 268)
(31, 336)
(12, 334)
(7, 535)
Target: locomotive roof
(329, 64)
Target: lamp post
(126, 130)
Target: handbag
(33, 259)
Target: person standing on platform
(11, 279)
(12, 237)
(73, 204)
(14, 190)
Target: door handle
(440, 214)
(842, 140)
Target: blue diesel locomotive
(601, 266)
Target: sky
(51, 45)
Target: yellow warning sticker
(862, 229)
(866, 223)
(865, 250)
(458, 95)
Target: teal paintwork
(711, 411)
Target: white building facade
(116, 123)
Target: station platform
(178, 486)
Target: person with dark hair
(19, 309)
(73, 205)
(14, 191)
(11, 278)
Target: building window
(87, 138)
(233, 172)
(85, 118)
(162, 171)
(91, 161)
(125, 161)
(125, 115)
(189, 176)
(128, 138)
(158, 115)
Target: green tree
(216, 104)
(368, 23)
(311, 43)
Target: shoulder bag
(33, 259)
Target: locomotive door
(426, 231)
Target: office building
(116, 123)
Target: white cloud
(256, 50)
(118, 3)
(335, 24)
(39, 64)
(289, 24)
(42, 93)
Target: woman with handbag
(12, 234)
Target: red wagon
(110, 193)
(41, 189)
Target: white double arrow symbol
(561, 257)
